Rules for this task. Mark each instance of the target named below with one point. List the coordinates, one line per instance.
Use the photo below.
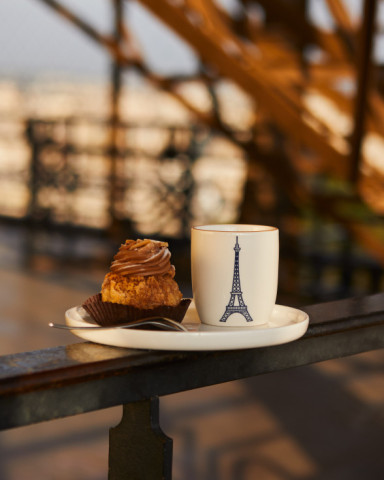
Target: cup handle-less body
(234, 273)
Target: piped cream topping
(142, 257)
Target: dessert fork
(162, 322)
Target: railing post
(138, 448)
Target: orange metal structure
(276, 54)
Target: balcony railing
(65, 381)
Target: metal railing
(74, 379)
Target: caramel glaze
(143, 257)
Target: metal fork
(162, 322)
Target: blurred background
(128, 119)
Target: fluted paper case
(110, 314)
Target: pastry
(140, 283)
(142, 276)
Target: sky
(34, 40)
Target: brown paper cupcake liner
(110, 314)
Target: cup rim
(215, 228)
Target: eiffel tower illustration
(236, 292)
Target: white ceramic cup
(234, 273)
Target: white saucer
(285, 325)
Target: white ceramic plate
(285, 325)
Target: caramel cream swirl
(142, 257)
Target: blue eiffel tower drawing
(236, 292)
